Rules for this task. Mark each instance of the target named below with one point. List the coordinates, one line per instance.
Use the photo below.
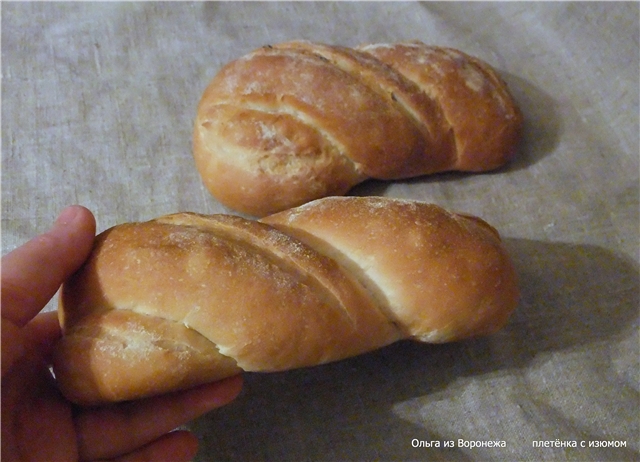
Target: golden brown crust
(296, 121)
(188, 298)
(475, 101)
(267, 162)
(119, 354)
(414, 256)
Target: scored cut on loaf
(187, 299)
(296, 121)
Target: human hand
(38, 423)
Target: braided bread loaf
(297, 121)
(186, 299)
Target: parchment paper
(98, 102)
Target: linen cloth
(98, 103)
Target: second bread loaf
(297, 121)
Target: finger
(178, 446)
(119, 429)
(32, 273)
(40, 333)
(13, 347)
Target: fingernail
(68, 215)
(222, 392)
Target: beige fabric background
(98, 101)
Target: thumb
(32, 273)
